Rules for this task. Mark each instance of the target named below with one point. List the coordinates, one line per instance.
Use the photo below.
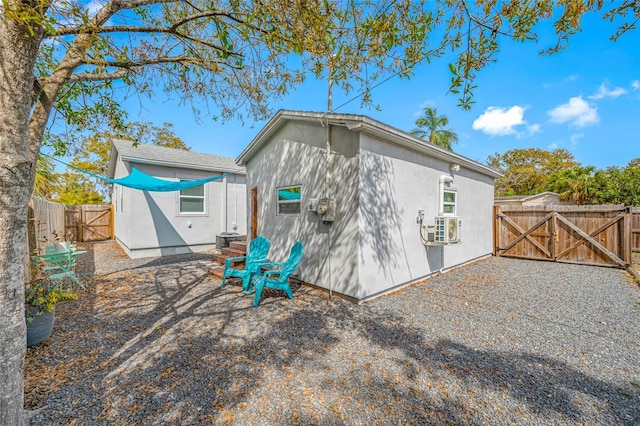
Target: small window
(289, 200)
(449, 201)
(192, 200)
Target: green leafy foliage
(76, 189)
(225, 58)
(526, 171)
(532, 171)
(46, 180)
(575, 184)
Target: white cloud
(422, 106)
(533, 128)
(553, 146)
(577, 112)
(635, 84)
(566, 80)
(496, 121)
(574, 138)
(604, 92)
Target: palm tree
(46, 177)
(431, 128)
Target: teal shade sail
(144, 182)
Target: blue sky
(585, 99)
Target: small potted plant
(41, 296)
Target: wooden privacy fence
(46, 223)
(89, 222)
(635, 229)
(590, 235)
(50, 222)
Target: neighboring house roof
(360, 124)
(169, 157)
(523, 198)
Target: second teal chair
(277, 278)
(258, 251)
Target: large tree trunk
(18, 50)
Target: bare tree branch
(99, 77)
(162, 60)
(173, 29)
(136, 29)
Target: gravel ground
(500, 342)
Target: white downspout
(235, 207)
(224, 204)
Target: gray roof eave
(174, 164)
(364, 124)
(170, 158)
(375, 128)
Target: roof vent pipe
(443, 179)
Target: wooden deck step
(216, 272)
(221, 259)
(227, 251)
(239, 245)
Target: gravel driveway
(156, 341)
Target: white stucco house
(148, 223)
(385, 189)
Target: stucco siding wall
(296, 155)
(236, 192)
(122, 213)
(151, 224)
(394, 183)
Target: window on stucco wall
(192, 200)
(449, 202)
(289, 200)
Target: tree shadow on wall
(380, 213)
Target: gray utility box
(223, 240)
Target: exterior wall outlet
(312, 205)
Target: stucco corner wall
(395, 183)
(374, 245)
(296, 155)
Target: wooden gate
(590, 235)
(635, 229)
(89, 222)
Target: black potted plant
(41, 296)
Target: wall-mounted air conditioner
(447, 229)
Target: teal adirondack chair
(258, 250)
(277, 278)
